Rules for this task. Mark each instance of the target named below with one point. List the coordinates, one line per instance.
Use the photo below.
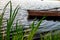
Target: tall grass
(52, 36)
(19, 32)
(1, 19)
(34, 29)
(11, 20)
(19, 28)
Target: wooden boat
(43, 13)
(55, 15)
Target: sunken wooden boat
(54, 15)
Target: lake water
(32, 5)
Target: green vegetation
(52, 36)
(19, 34)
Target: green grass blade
(1, 18)
(41, 37)
(19, 30)
(32, 25)
(10, 9)
(4, 9)
(10, 21)
(38, 24)
(15, 10)
(15, 37)
(8, 26)
(17, 27)
(15, 13)
(21, 35)
(30, 37)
